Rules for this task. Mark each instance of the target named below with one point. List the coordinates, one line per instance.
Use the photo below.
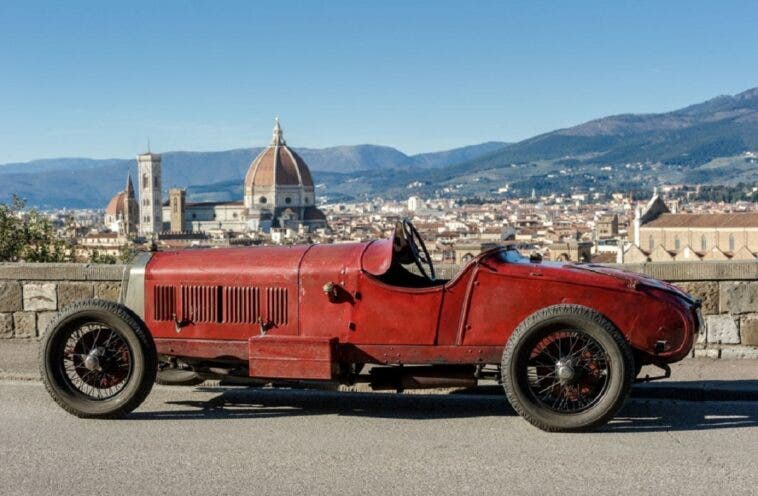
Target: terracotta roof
(278, 163)
(281, 164)
(604, 257)
(261, 171)
(305, 173)
(705, 220)
(116, 205)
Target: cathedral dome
(276, 166)
(117, 205)
(122, 212)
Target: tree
(27, 235)
(127, 254)
(102, 258)
(11, 230)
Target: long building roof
(738, 220)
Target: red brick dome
(277, 165)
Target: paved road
(224, 441)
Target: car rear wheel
(97, 360)
(567, 368)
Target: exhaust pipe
(421, 377)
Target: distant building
(150, 204)
(571, 251)
(108, 243)
(204, 216)
(660, 235)
(466, 250)
(414, 203)
(608, 226)
(278, 193)
(177, 202)
(122, 212)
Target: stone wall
(30, 294)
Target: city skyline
(190, 77)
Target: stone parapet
(32, 293)
(726, 270)
(60, 272)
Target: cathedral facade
(278, 193)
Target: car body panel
(221, 293)
(246, 302)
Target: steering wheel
(420, 256)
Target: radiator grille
(164, 298)
(200, 303)
(276, 305)
(242, 305)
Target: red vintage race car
(565, 340)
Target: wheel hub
(92, 361)
(564, 371)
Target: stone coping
(61, 272)
(725, 270)
(667, 271)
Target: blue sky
(96, 79)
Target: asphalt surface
(692, 379)
(246, 441)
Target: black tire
(130, 369)
(178, 377)
(521, 369)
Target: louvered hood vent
(222, 304)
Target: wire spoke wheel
(567, 371)
(96, 360)
(567, 368)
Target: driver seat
(400, 272)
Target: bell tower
(177, 202)
(150, 203)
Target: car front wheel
(567, 368)
(97, 360)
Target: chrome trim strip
(134, 291)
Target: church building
(278, 193)
(122, 213)
(663, 236)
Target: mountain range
(711, 142)
(703, 143)
(88, 183)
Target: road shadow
(637, 415)
(666, 415)
(704, 390)
(260, 402)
